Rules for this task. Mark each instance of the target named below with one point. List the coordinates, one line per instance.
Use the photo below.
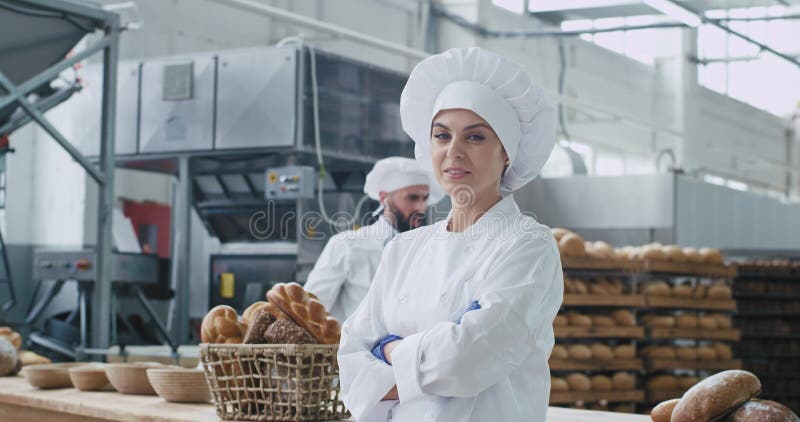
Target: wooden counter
(20, 402)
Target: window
(737, 68)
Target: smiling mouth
(457, 172)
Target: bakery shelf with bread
(694, 333)
(634, 396)
(578, 387)
(594, 356)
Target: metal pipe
(154, 316)
(315, 24)
(50, 129)
(44, 105)
(51, 73)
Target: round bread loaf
(699, 292)
(579, 382)
(572, 245)
(559, 353)
(674, 253)
(8, 357)
(660, 352)
(221, 325)
(687, 382)
(559, 232)
(598, 289)
(693, 255)
(682, 290)
(686, 321)
(624, 318)
(708, 322)
(569, 285)
(614, 286)
(716, 395)
(602, 321)
(663, 412)
(723, 321)
(652, 253)
(723, 351)
(560, 321)
(762, 411)
(578, 320)
(248, 316)
(601, 383)
(580, 287)
(719, 292)
(12, 336)
(601, 352)
(685, 353)
(660, 321)
(625, 351)
(579, 352)
(558, 385)
(623, 381)
(712, 256)
(706, 353)
(602, 250)
(662, 382)
(658, 288)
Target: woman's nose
(455, 149)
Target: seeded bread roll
(625, 351)
(258, 327)
(601, 352)
(558, 385)
(601, 383)
(579, 382)
(284, 331)
(716, 396)
(624, 318)
(663, 412)
(623, 381)
(762, 411)
(579, 352)
(559, 353)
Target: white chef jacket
(492, 367)
(344, 271)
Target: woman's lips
(456, 173)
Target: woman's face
(467, 154)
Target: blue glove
(377, 350)
(474, 306)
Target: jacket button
(402, 299)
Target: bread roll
(601, 383)
(762, 411)
(687, 382)
(674, 253)
(614, 286)
(579, 352)
(305, 310)
(699, 292)
(652, 254)
(559, 232)
(660, 321)
(663, 412)
(569, 285)
(624, 408)
(580, 287)
(8, 358)
(716, 395)
(623, 381)
(285, 331)
(560, 321)
(723, 351)
(693, 255)
(624, 318)
(706, 353)
(719, 292)
(12, 336)
(600, 250)
(26, 358)
(579, 382)
(558, 385)
(660, 352)
(248, 316)
(559, 353)
(686, 353)
(221, 325)
(572, 245)
(708, 322)
(625, 351)
(658, 288)
(723, 321)
(686, 321)
(578, 320)
(602, 321)
(682, 290)
(601, 352)
(597, 289)
(257, 327)
(662, 382)
(712, 256)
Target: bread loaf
(600, 250)
(26, 358)
(598, 289)
(569, 285)
(625, 351)
(579, 352)
(12, 336)
(706, 353)
(248, 316)
(602, 321)
(559, 232)
(674, 253)
(685, 353)
(305, 311)
(708, 322)
(8, 357)
(719, 292)
(558, 385)
(662, 382)
(614, 286)
(221, 325)
(762, 411)
(652, 253)
(723, 351)
(623, 381)
(560, 321)
(699, 292)
(572, 245)
(687, 382)
(716, 395)
(659, 352)
(601, 383)
(723, 321)
(578, 320)
(284, 331)
(682, 290)
(257, 328)
(624, 318)
(686, 321)
(579, 382)
(660, 321)
(601, 352)
(559, 353)
(693, 255)
(580, 287)
(658, 288)
(712, 256)
(663, 412)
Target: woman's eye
(441, 136)
(475, 137)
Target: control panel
(80, 266)
(290, 182)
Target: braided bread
(221, 325)
(305, 310)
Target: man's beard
(403, 223)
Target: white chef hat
(390, 174)
(496, 89)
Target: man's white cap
(496, 89)
(390, 174)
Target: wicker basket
(274, 382)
